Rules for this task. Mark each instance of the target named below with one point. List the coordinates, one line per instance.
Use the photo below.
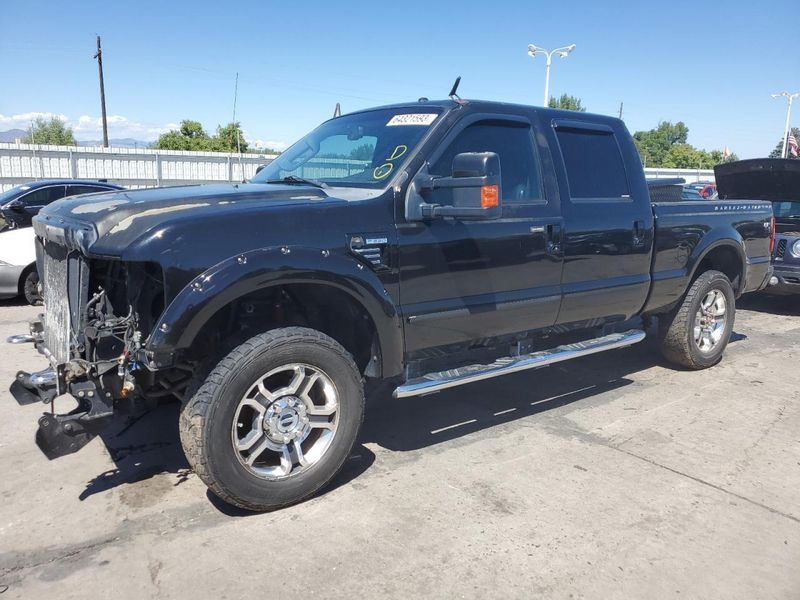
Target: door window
(594, 164)
(520, 173)
(74, 190)
(44, 196)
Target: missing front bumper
(62, 434)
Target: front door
(464, 281)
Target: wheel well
(321, 307)
(724, 259)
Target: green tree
(566, 102)
(363, 152)
(49, 131)
(718, 157)
(654, 144)
(226, 138)
(686, 156)
(189, 136)
(192, 130)
(776, 153)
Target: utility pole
(620, 110)
(790, 98)
(99, 57)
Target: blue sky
(711, 64)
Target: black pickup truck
(420, 246)
(776, 180)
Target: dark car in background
(776, 180)
(21, 203)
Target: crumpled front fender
(258, 269)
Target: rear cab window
(593, 162)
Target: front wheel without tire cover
(275, 420)
(696, 332)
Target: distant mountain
(12, 135)
(118, 142)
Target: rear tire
(275, 420)
(696, 333)
(30, 287)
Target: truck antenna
(453, 95)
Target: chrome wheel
(710, 321)
(286, 421)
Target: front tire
(696, 333)
(275, 420)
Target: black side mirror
(15, 205)
(475, 182)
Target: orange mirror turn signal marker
(490, 196)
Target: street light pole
(563, 52)
(790, 98)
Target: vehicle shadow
(18, 301)
(142, 445)
(788, 305)
(418, 422)
(147, 444)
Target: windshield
(360, 150)
(786, 209)
(12, 193)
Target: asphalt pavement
(612, 476)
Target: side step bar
(434, 382)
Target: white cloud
(119, 126)
(271, 144)
(24, 119)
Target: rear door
(608, 232)
(468, 280)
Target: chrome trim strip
(434, 382)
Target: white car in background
(18, 275)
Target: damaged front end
(97, 314)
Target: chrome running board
(434, 382)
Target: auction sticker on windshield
(412, 119)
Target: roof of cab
(490, 105)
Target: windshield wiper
(294, 179)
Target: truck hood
(773, 179)
(128, 214)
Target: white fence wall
(131, 167)
(144, 167)
(690, 175)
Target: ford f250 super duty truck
(422, 245)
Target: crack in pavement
(75, 551)
(566, 426)
(707, 483)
